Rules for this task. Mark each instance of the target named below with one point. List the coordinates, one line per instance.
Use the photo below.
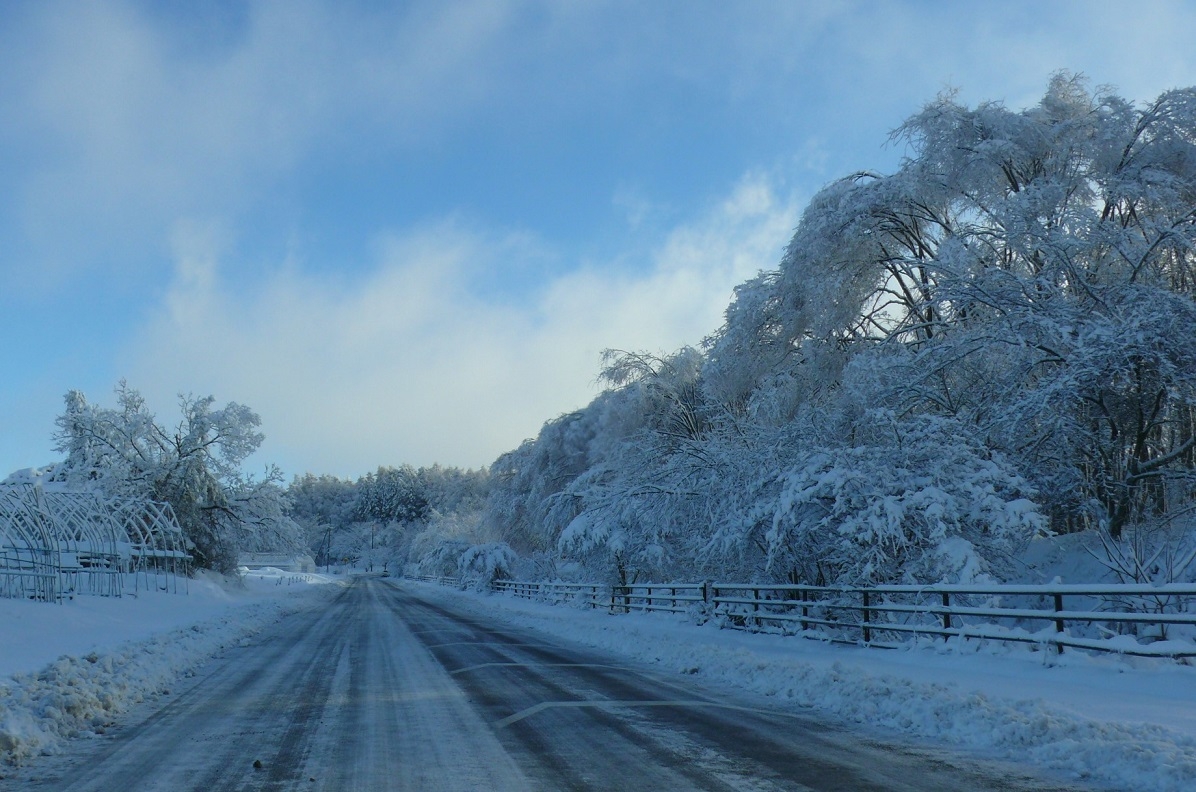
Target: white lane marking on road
(613, 704)
(428, 632)
(530, 665)
(489, 643)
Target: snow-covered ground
(71, 668)
(1120, 722)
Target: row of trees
(395, 516)
(383, 520)
(996, 341)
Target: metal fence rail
(1143, 620)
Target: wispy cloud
(413, 364)
(124, 128)
(124, 121)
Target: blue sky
(405, 232)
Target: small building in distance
(287, 562)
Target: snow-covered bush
(917, 502)
(614, 548)
(481, 565)
(1160, 552)
(440, 558)
(458, 544)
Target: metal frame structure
(29, 551)
(157, 553)
(88, 537)
(56, 543)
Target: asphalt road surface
(388, 689)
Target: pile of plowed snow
(115, 652)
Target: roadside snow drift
(114, 653)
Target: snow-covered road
(389, 688)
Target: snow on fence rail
(1115, 618)
(1127, 619)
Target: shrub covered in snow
(919, 502)
(483, 564)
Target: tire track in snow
(362, 694)
(577, 719)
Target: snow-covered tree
(196, 467)
(1027, 272)
(997, 338)
(913, 501)
(525, 505)
(392, 495)
(322, 506)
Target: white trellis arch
(88, 540)
(157, 555)
(56, 542)
(29, 554)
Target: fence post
(756, 606)
(805, 610)
(1059, 622)
(946, 616)
(867, 617)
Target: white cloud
(124, 128)
(120, 121)
(413, 363)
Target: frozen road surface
(390, 689)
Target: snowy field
(1115, 722)
(70, 669)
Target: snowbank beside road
(69, 669)
(1124, 722)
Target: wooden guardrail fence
(1144, 620)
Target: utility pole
(328, 548)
